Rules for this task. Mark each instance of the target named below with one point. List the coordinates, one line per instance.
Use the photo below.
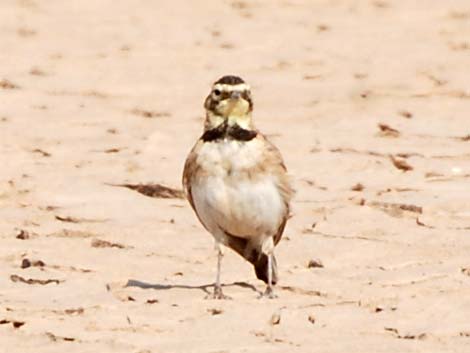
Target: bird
(237, 183)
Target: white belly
(226, 200)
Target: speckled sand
(106, 92)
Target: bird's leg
(217, 285)
(218, 294)
(269, 292)
(268, 249)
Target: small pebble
(22, 234)
(378, 309)
(25, 263)
(275, 319)
(315, 263)
(215, 311)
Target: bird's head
(229, 102)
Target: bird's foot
(218, 294)
(268, 293)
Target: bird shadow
(204, 287)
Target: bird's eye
(217, 92)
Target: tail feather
(254, 256)
(262, 270)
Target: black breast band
(233, 133)
(240, 134)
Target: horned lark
(236, 182)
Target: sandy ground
(95, 93)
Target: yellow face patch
(233, 107)
(229, 103)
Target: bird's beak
(233, 101)
(235, 104)
(235, 95)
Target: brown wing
(190, 169)
(280, 230)
(275, 163)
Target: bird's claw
(218, 294)
(268, 293)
